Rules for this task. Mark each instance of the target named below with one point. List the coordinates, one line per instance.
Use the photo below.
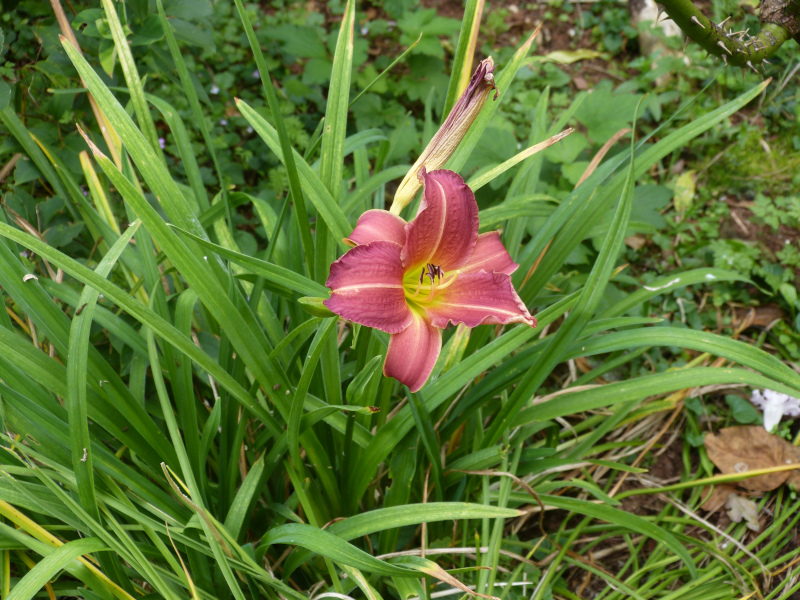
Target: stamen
(436, 275)
(419, 287)
(434, 287)
(431, 294)
(449, 281)
(431, 271)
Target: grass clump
(179, 419)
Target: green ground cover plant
(182, 417)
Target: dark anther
(433, 272)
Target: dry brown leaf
(580, 83)
(757, 316)
(739, 508)
(636, 241)
(791, 454)
(716, 497)
(749, 448)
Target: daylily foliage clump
(413, 279)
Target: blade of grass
(319, 195)
(145, 316)
(76, 379)
(77, 367)
(465, 53)
(144, 157)
(109, 135)
(314, 352)
(503, 81)
(428, 437)
(131, 75)
(578, 318)
(277, 274)
(702, 341)
(46, 569)
(237, 321)
(295, 188)
(642, 387)
(576, 201)
(194, 103)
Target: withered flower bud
(444, 143)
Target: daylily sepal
(314, 306)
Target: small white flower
(214, 90)
(775, 406)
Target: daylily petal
(445, 229)
(413, 352)
(478, 298)
(367, 287)
(378, 225)
(490, 255)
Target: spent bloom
(413, 279)
(450, 134)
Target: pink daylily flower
(413, 279)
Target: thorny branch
(780, 21)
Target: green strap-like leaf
(77, 367)
(309, 366)
(319, 195)
(46, 569)
(578, 318)
(145, 316)
(384, 519)
(465, 53)
(131, 75)
(334, 548)
(642, 387)
(702, 341)
(286, 147)
(144, 157)
(666, 284)
(274, 273)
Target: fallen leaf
(716, 496)
(791, 454)
(757, 316)
(749, 448)
(678, 167)
(635, 241)
(567, 57)
(685, 187)
(739, 508)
